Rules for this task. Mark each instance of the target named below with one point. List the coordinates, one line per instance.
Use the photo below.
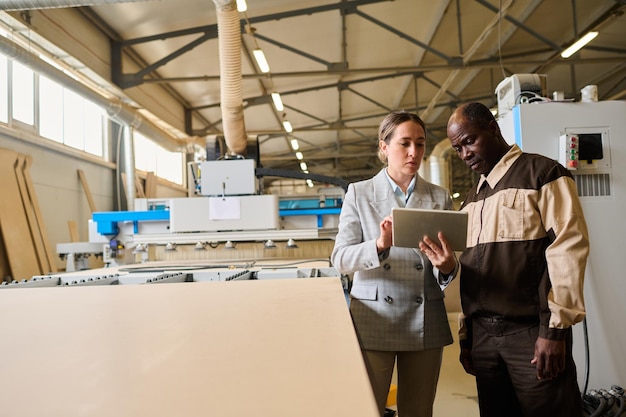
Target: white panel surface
(228, 177)
(197, 214)
(238, 349)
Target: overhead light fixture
(287, 126)
(294, 144)
(261, 61)
(242, 6)
(199, 246)
(303, 166)
(299, 156)
(269, 244)
(278, 103)
(170, 247)
(309, 183)
(456, 195)
(229, 245)
(576, 46)
(291, 244)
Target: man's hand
(466, 360)
(442, 256)
(549, 358)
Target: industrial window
(95, 128)
(69, 118)
(57, 113)
(4, 90)
(150, 157)
(23, 93)
(51, 113)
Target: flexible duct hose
(229, 35)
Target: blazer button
(419, 300)
(419, 267)
(388, 300)
(387, 266)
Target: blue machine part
(107, 220)
(308, 203)
(319, 212)
(518, 126)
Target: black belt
(500, 326)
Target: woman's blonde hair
(389, 124)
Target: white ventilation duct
(229, 35)
(438, 164)
(8, 5)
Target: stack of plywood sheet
(24, 247)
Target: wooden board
(73, 229)
(29, 210)
(83, 181)
(151, 185)
(5, 269)
(263, 348)
(50, 254)
(139, 190)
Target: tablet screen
(410, 225)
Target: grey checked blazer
(396, 301)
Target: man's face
(476, 146)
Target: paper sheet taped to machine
(224, 208)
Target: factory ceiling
(341, 65)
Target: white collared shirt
(397, 191)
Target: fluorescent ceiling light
(287, 126)
(303, 166)
(294, 144)
(299, 156)
(576, 46)
(278, 103)
(242, 6)
(261, 61)
(309, 183)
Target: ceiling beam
(521, 26)
(125, 80)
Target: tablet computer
(410, 225)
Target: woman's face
(405, 150)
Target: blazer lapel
(421, 196)
(384, 199)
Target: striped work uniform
(522, 274)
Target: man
(521, 275)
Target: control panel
(585, 148)
(569, 146)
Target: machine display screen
(590, 146)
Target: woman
(396, 297)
